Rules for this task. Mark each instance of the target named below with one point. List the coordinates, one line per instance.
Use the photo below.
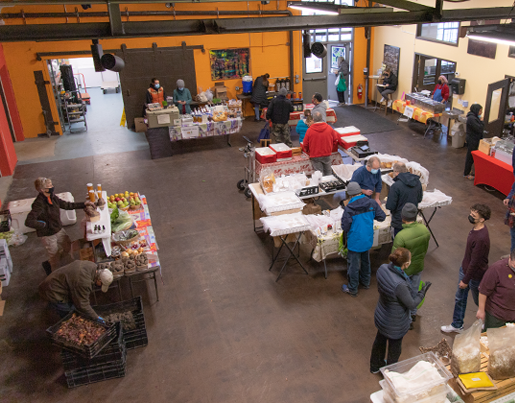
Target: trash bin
(458, 135)
(247, 84)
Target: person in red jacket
(319, 142)
(441, 91)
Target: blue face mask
(156, 86)
(374, 171)
(181, 88)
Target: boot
(47, 267)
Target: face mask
(479, 116)
(374, 171)
(156, 86)
(51, 191)
(181, 88)
(472, 220)
(439, 81)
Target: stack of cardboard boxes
(221, 91)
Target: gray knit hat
(283, 91)
(409, 212)
(353, 189)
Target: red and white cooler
(284, 153)
(265, 155)
(350, 141)
(348, 131)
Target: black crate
(134, 337)
(97, 374)
(86, 351)
(112, 353)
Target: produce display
(124, 201)
(80, 330)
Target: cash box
(265, 155)
(283, 152)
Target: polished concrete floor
(223, 329)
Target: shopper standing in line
(45, 218)
(369, 178)
(392, 314)
(414, 237)
(319, 143)
(279, 114)
(320, 105)
(358, 226)
(473, 266)
(474, 134)
(497, 294)
(406, 189)
(259, 94)
(303, 125)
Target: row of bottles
(282, 83)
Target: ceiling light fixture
(319, 7)
(493, 37)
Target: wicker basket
(127, 242)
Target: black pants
(341, 97)
(378, 355)
(469, 160)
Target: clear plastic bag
(501, 363)
(466, 351)
(123, 222)
(17, 239)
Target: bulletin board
(391, 58)
(227, 64)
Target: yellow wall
(269, 52)
(478, 71)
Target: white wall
(85, 66)
(478, 71)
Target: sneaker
(365, 287)
(390, 104)
(411, 327)
(341, 104)
(382, 100)
(451, 329)
(375, 372)
(413, 318)
(346, 290)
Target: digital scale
(362, 151)
(307, 191)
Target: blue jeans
(415, 282)
(256, 111)
(512, 232)
(460, 300)
(358, 270)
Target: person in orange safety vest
(155, 93)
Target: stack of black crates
(109, 361)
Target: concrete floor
(224, 330)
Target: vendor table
(354, 157)
(296, 116)
(210, 129)
(284, 242)
(140, 276)
(416, 113)
(298, 164)
(492, 172)
(243, 99)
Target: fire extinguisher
(360, 91)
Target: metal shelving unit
(74, 110)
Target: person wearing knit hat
(414, 237)
(358, 226)
(182, 98)
(279, 114)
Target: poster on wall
(227, 64)
(391, 58)
(336, 52)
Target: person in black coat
(259, 93)
(474, 134)
(406, 189)
(279, 114)
(392, 314)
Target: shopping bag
(466, 351)
(342, 85)
(264, 134)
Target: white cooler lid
(21, 206)
(278, 147)
(353, 139)
(264, 151)
(347, 130)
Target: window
(427, 69)
(331, 34)
(313, 64)
(445, 32)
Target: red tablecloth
(492, 172)
(297, 165)
(296, 116)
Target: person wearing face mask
(392, 314)
(369, 178)
(473, 266)
(182, 98)
(497, 294)
(441, 90)
(406, 189)
(155, 93)
(474, 134)
(45, 218)
(389, 85)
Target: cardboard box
(220, 90)
(139, 125)
(485, 146)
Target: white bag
(337, 80)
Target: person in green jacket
(182, 98)
(415, 238)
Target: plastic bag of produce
(501, 363)
(123, 222)
(466, 352)
(17, 239)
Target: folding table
(284, 242)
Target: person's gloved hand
(426, 287)
(100, 319)
(42, 222)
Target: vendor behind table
(69, 287)
(369, 178)
(155, 93)
(182, 98)
(441, 91)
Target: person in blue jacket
(369, 178)
(303, 125)
(358, 226)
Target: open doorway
(333, 53)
